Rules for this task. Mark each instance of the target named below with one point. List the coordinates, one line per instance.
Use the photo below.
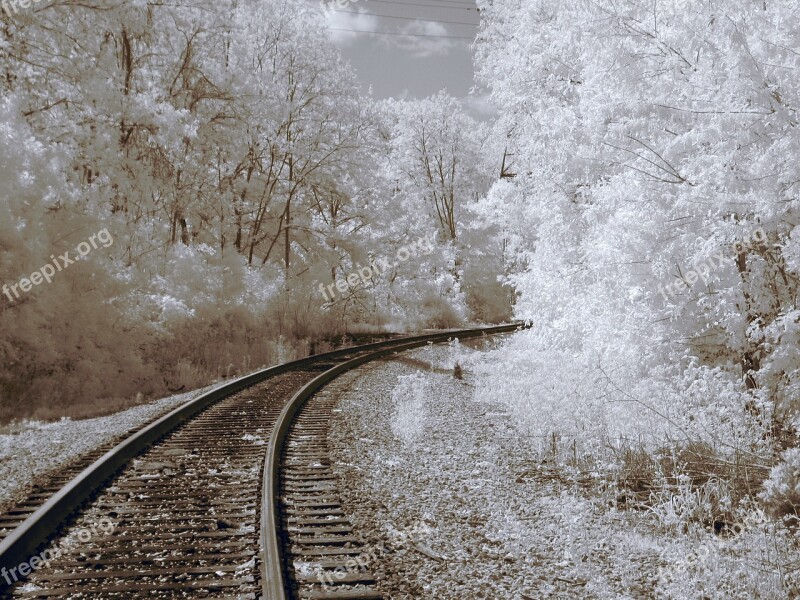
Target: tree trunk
(287, 242)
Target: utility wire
(355, 12)
(425, 5)
(449, 37)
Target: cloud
(334, 19)
(422, 47)
(358, 18)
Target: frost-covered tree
(227, 149)
(653, 210)
(438, 163)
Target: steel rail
(273, 573)
(44, 523)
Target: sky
(409, 48)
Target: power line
(471, 2)
(425, 5)
(355, 12)
(450, 37)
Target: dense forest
(652, 218)
(656, 196)
(225, 149)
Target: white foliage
(648, 141)
(410, 412)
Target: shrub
(437, 313)
(637, 471)
(410, 412)
(781, 493)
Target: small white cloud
(422, 47)
(357, 18)
(334, 19)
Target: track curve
(187, 505)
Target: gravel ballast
(36, 449)
(449, 488)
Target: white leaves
(410, 412)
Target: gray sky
(422, 54)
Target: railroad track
(229, 496)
